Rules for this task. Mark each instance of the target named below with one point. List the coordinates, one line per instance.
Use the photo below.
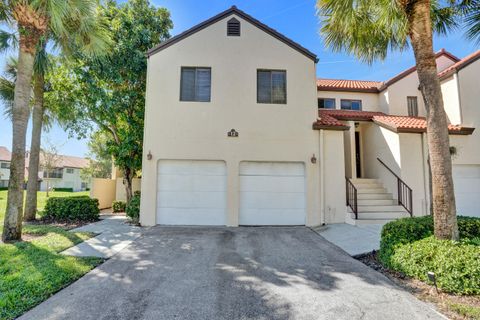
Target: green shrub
(118, 206)
(63, 189)
(80, 208)
(408, 230)
(456, 264)
(3, 188)
(133, 208)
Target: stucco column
(353, 160)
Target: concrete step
(368, 186)
(368, 221)
(375, 196)
(371, 190)
(381, 215)
(384, 209)
(377, 202)
(364, 181)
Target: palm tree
(33, 18)
(370, 29)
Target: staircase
(374, 204)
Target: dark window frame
(232, 25)
(195, 99)
(330, 99)
(351, 100)
(272, 71)
(69, 170)
(415, 105)
(5, 165)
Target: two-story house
(5, 157)
(238, 131)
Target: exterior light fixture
(313, 159)
(149, 155)
(431, 277)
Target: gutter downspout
(322, 179)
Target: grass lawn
(33, 270)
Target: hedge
(133, 208)
(3, 188)
(80, 208)
(63, 189)
(118, 206)
(408, 245)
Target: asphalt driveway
(232, 273)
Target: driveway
(232, 273)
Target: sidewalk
(113, 235)
(354, 240)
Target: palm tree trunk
(33, 166)
(12, 228)
(444, 211)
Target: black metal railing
(352, 197)
(404, 191)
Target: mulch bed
(423, 291)
(64, 225)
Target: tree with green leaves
(369, 29)
(100, 165)
(109, 94)
(34, 21)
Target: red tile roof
(348, 85)
(460, 64)
(5, 154)
(332, 120)
(414, 124)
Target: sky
(294, 19)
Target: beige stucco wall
(394, 98)
(443, 62)
(104, 191)
(451, 99)
(198, 130)
(120, 193)
(369, 100)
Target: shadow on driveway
(232, 273)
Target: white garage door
(466, 179)
(272, 193)
(191, 192)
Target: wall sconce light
(313, 159)
(149, 155)
(232, 133)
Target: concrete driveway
(232, 273)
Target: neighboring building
(65, 175)
(229, 138)
(5, 157)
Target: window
(69, 170)
(326, 103)
(5, 165)
(272, 86)
(412, 105)
(233, 28)
(351, 104)
(53, 174)
(195, 84)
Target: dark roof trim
(460, 66)
(243, 15)
(317, 126)
(410, 70)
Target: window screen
(272, 86)
(351, 104)
(195, 84)
(326, 103)
(412, 106)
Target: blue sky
(294, 19)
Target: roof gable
(224, 14)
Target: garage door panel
(264, 184)
(192, 216)
(272, 217)
(191, 183)
(191, 192)
(272, 200)
(190, 199)
(272, 193)
(466, 179)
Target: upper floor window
(69, 170)
(412, 105)
(195, 84)
(233, 28)
(272, 86)
(5, 165)
(53, 174)
(326, 103)
(351, 104)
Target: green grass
(41, 199)
(469, 312)
(31, 271)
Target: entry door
(358, 157)
(191, 192)
(272, 193)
